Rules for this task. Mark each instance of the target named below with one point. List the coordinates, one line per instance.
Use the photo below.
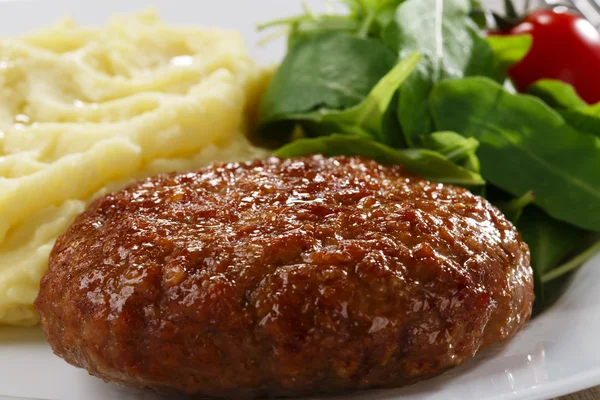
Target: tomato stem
(509, 8)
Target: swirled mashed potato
(85, 111)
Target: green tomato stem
(510, 9)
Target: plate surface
(558, 352)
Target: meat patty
(284, 277)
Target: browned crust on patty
(284, 277)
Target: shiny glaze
(284, 277)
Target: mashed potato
(85, 111)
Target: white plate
(558, 353)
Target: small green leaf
(572, 264)
(369, 112)
(563, 97)
(480, 17)
(452, 46)
(584, 119)
(556, 94)
(525, 145)
(427, 163)
(455, 147)
(365, 119)
(334, 71)
(508, 50)
(514, 209)
(550, 241)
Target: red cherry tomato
(565, 47)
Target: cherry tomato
(565, 47)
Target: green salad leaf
(366, 119)
(585, 119)
(452, 46)
(556, 94)
(525, 145)
(573, 263)
(513, 209)
(550, 241)
(332, 71)
(508, 50)
(427, 163)
(563, 97)
(456, 148)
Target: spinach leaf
(427, 163)
(514, 209)
(367, 118)
(508, 50)
(573, 263)
(525, 145)
(585, 119)
(456, 148)
(549, 241)
(574, 110)
(556, 94)
(452, 47)
(333, 71)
